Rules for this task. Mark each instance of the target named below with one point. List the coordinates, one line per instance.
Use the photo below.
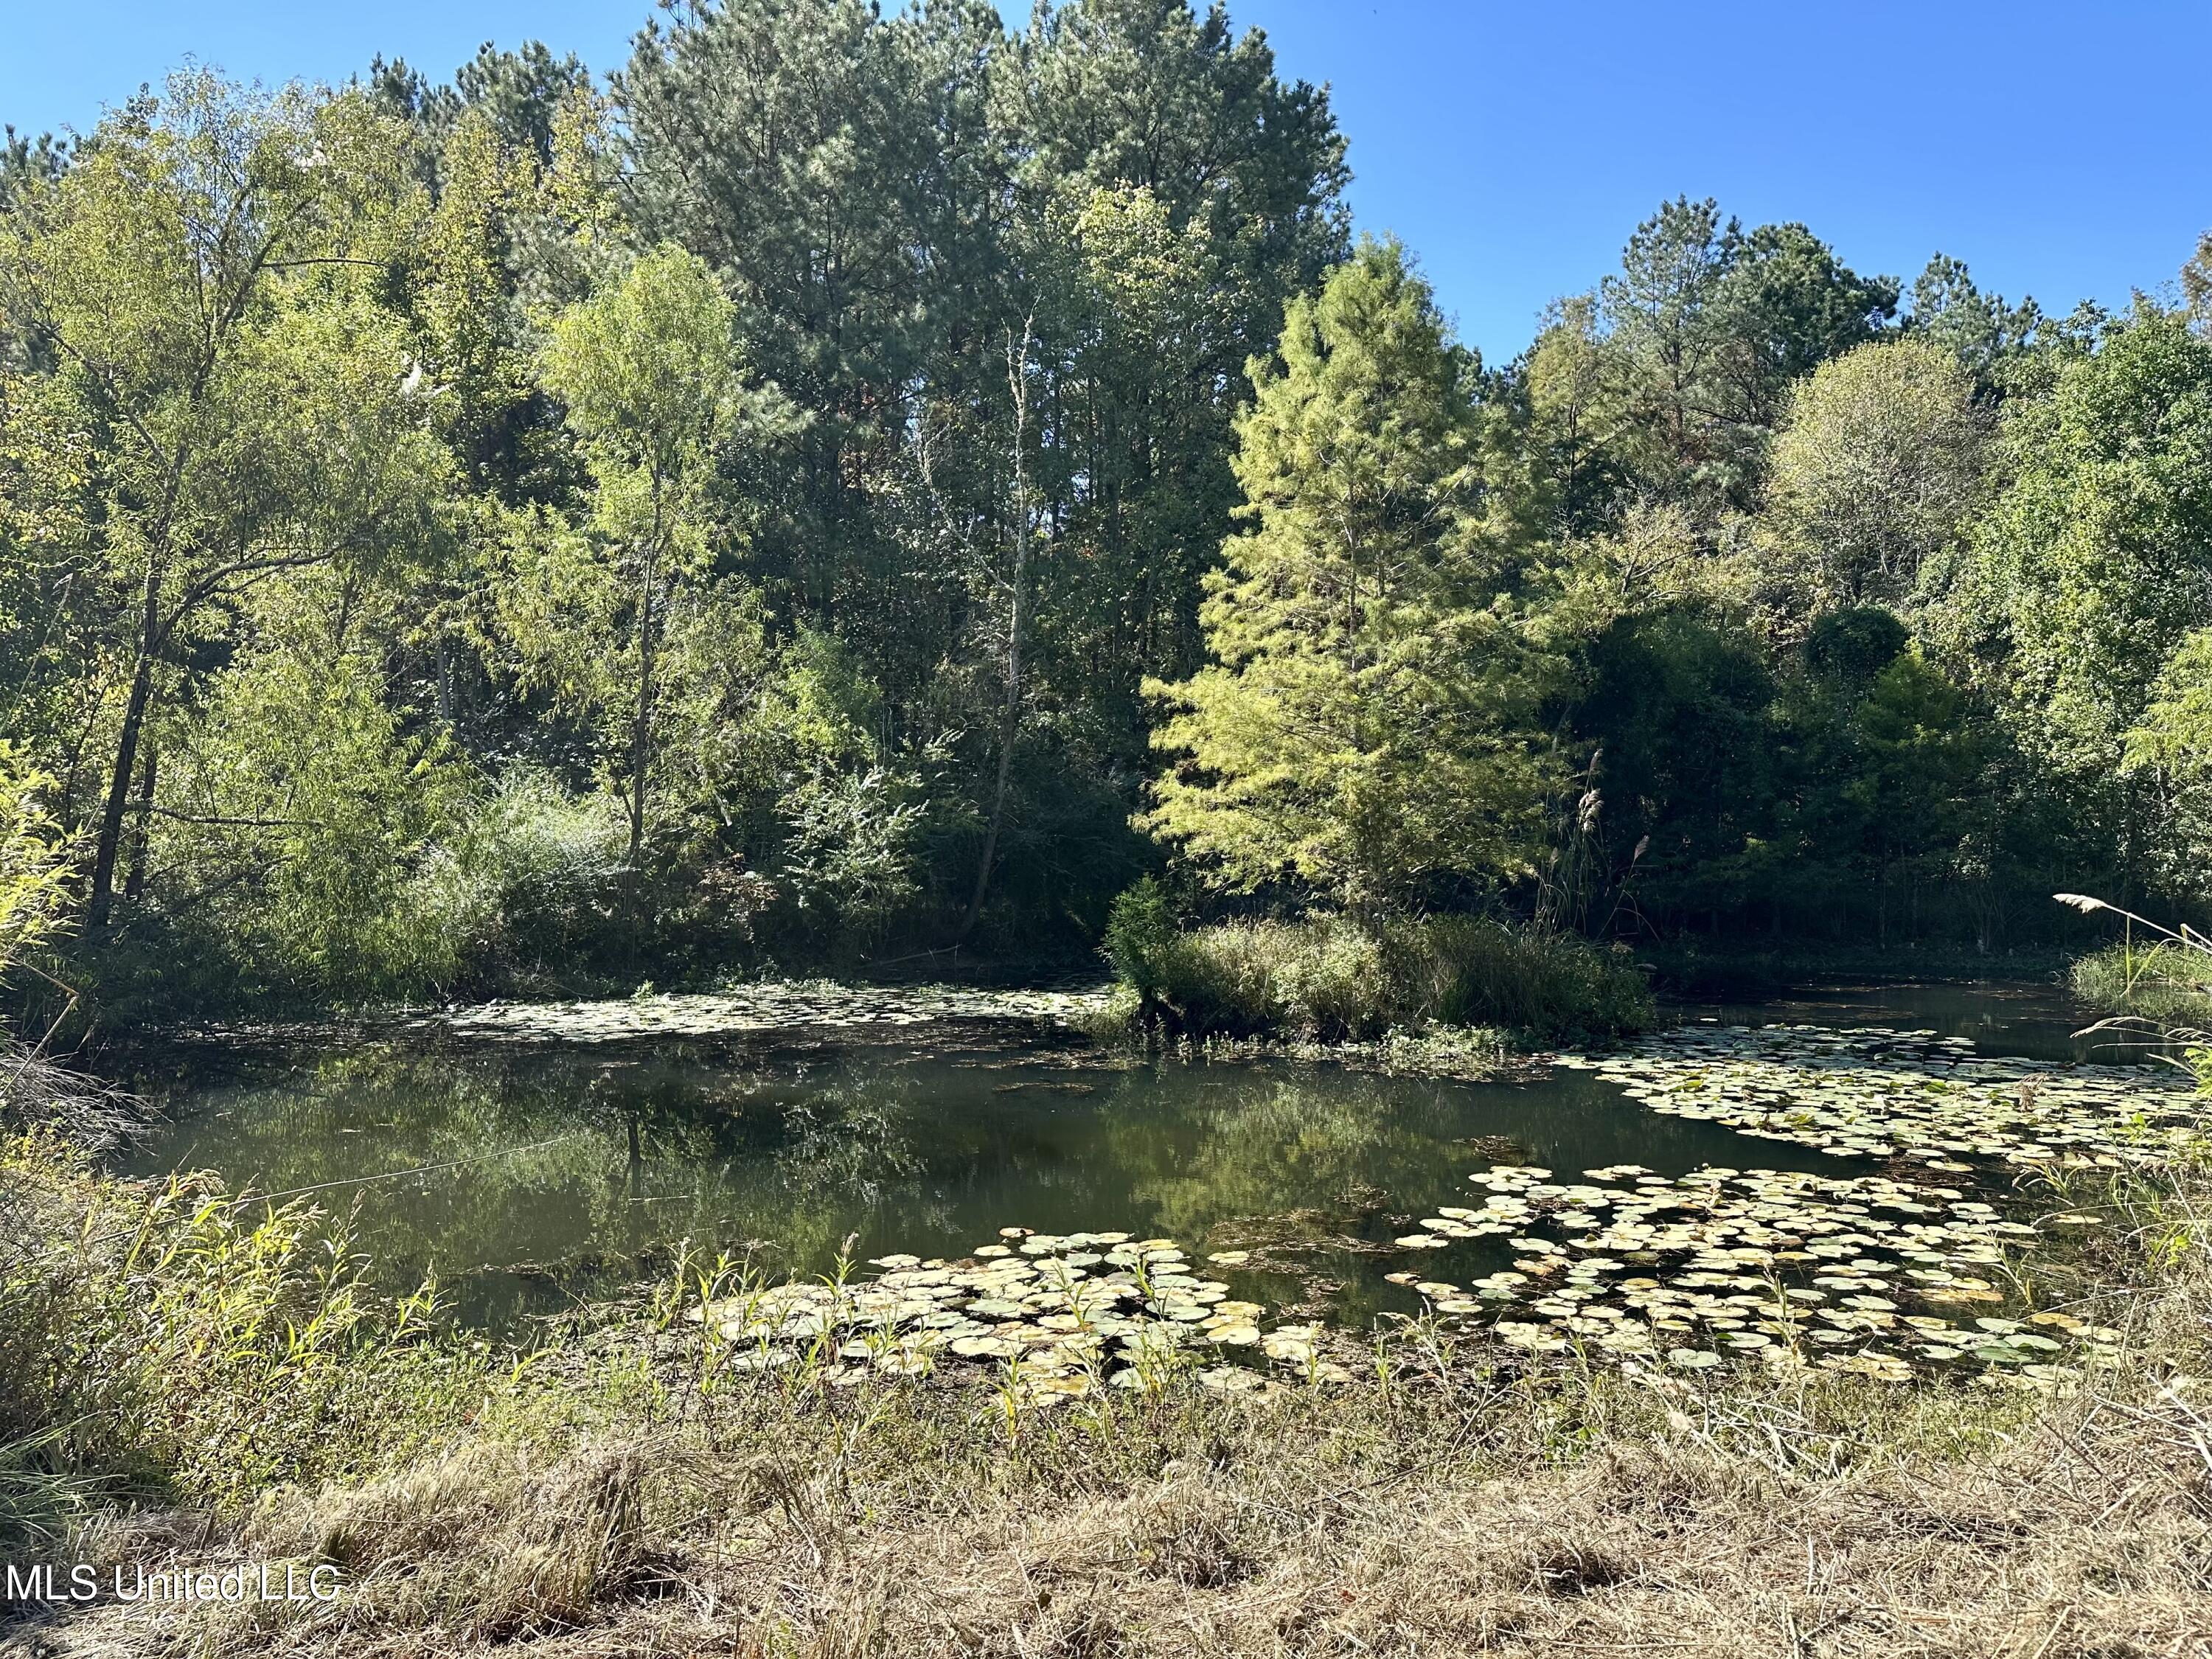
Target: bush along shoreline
(1334, 979)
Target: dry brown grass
(1457, 1508)
(1831, 1519)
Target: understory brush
(1331, 979)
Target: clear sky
(2058, 149)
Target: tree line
(848, 485)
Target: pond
(531, 1174)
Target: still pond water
(539, 1174)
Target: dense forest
(845, 486)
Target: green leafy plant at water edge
(1329, 978)
(33, 873)
(177, 1339)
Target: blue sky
(2058, 149)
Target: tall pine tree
(1368, 723)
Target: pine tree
(1367, 723)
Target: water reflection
(2031, 1020)
(526, 1178)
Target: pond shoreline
(1549, 1426)
(762, 1446)
(645, 1120)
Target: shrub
(1317, 979)
(1140, 937)
(537, 873)
(1329, 979)
(516, 880)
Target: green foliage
(646, 372)
(2093, 573)
(1141, 934)
(1994, 341)
(225, 405)
(33, 870)
(2175, 734)
(1709, 326)
(1876, 470)
(2097, 561)
(2158, 978)
(850, 851)
(1329, 979)
(533, 876)
(1368, 724)
(1681, 713)
(1547, 987)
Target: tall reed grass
(2158, 985)
(170, 1339)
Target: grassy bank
(1330, 979)
(2166, 981)
(195, 1387)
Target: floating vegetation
(1879, 1093)
(1866, 1274)
(1283, 1243)
(768, 1006)
(1060, 1316)
(1863, 1274)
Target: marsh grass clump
(2167, 980)
(1333, 979)
(2161, 990)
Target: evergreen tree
(1367, 723)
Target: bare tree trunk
(141, 826)
(100, 896)
(1017, 614)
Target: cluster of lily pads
(1059, 1316)
(770, 1007)
(1865, 1274)
(1790, 1268)
(1877, 1093)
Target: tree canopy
(851, 481)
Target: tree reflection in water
(538, 1174)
